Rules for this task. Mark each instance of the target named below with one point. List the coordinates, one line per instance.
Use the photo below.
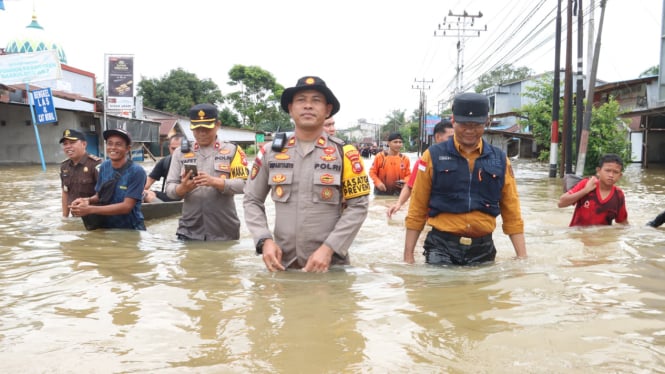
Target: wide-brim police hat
(471, 107)
(119, 132)
(310, 83)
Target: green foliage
(502, 74)
(257, 100)
(394, 123)
(229, 118)
(178, 91)
(100, 91)
(654, 70)
(608, 133)
(537, 116)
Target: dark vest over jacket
(455, 190)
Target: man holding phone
(207, 175)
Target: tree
(654, 70)
(178, 91)
(608, 133)
(258, 99)
(502, 74)
(229, 118)
(395, 121)
(537, 116)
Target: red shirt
(592, 209)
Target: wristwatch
(259, 246)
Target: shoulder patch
(337, 140)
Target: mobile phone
(191, 167)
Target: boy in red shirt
(597, 200)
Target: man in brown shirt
(79, 172)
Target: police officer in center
(79, 172)
(319, 186)
(208, 210)
(461, 187)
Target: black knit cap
(394, 136)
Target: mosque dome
(34, 39)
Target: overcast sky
(374, 55)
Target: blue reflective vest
(455, 190)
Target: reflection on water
(586, 300)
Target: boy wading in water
(597, 200)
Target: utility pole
(589, 101)
(556, 96)
(462, 27)
(420, 85)
(568, 96)
(579, 96)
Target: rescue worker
(208, 211)
(79, 172)
(442, 132)
(461, 187)
(319, 186)
(391, 168)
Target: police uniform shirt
(309, 190)
(208, 213)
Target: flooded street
(585, 301)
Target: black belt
(463, 239)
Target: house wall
(18, 141)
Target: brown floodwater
(585, 301)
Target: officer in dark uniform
(79, 172)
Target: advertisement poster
(120, 86)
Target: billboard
(120, 83)
(430, 122)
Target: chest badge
(279, 178)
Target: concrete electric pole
(461, 26)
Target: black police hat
(310, 83)
(71, 134)
(471, 107)
(203, 115)
(119, 132)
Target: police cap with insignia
(471, 107)
(310, 83)
(71, 134)
(203, 115)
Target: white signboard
(17, 68)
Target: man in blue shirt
(119, 190)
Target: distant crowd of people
(320, 186)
